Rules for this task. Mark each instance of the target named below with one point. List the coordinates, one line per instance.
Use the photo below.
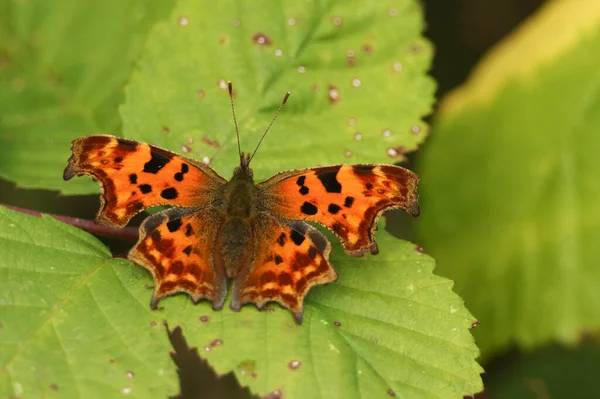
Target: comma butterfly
(254, 234)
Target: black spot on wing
(118, 159)
(184, 169)
(329, 180)
(156, 162)
(308, 209)
(278, 259)
(187, 250)
(363, 169)
(333, 208)
(189, 230)
(169, 193)
(281, 239)
(369, 186)
(297, 237)
(131, 145)
(174, 225)
(156, 236)
(145, 188)
(133, 178)
(348, 202)
(304, 190)
(301, 180)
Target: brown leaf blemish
(211, 142)
(294, 364)
(276, 394)
(215, 343)
(333, 93)
(262, 39)
(350, 60)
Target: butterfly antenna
(237, 132)
(285, 98)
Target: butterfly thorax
(235, 238)
(239, 192)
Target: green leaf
(551, 372)
(388, 326)
(81, 321)
(374, 59)
(63, 66)
(74, 323)
(510, 183)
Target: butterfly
(254, 234)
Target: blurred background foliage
(554, 353)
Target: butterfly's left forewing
(135, 176)
(347, 199)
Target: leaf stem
(126, 233)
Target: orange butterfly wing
(176, 246)
(347, 199)
(290, 258)
(135, 176)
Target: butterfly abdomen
(234, 245)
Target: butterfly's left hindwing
(177, 247)
(347, 199)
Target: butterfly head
(243, 171)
